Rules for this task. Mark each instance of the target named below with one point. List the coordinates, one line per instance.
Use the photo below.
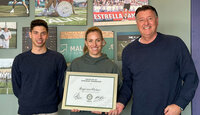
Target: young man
(158, 70)
(37, 75)
(15, 2)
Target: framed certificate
(90, 91)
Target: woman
(93, 60)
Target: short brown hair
(146, 7)
(38, 22)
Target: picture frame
(116, 12)
(8, 35)
(90, 91)
(5, 76)
(19, 9)
(62, 12)
(123, 39)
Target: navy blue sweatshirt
(37, 81)
(153, 74)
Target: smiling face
(94, 43)
(147, 23)
(38, 36)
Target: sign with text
(90, 91)
(115, 12)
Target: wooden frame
(90, 91)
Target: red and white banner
(114, 16)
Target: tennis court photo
(62, 12)
(14, 8)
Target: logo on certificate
(89, 97)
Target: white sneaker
(12, 11)
(43, 13)
(51, 11)
(27, 11)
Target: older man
(158, 70)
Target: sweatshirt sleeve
(189, 76)
(16, 77)
(61, 75)
(126, 89)
(117, 71)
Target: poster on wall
(51, 42)
(123, 39)
(62, 12)
(72, 43)
(12, 8)
(115, 12)
(8, 35)
(5, 76)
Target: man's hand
(119, 107)
(112, 112)
(118, 110)
(172, 109)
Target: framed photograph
(123, 39)
(51, 42)
(5, 76)
(62, 12)
(72, 43)
(8, 35)
(115, 12)
(12, 8)
(90, 91)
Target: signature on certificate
(77, 96)
(98, 98)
